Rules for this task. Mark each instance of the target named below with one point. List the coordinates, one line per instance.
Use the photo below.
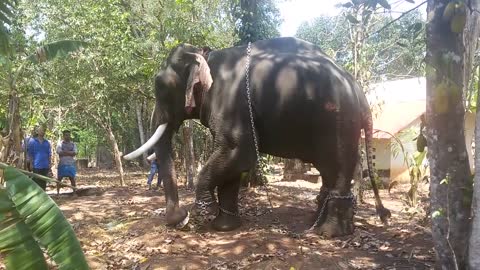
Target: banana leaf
(4, 40)
(55, 49)
(17, 244)
(6, 15)
(37, 222)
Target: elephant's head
(179, 89)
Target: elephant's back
(297, 91)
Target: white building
(404, 103)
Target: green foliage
(257, 176)
(30, 220)
(255, 20)
(438, 213)
(329, 33)
(414, 162)
(395, 51)
(99, 86)
(127, 42)
(55, 50)
(6, 13)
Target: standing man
(153, 171)
(40, 154)
(26, 143)
(67, 150)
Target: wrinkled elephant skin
(304, 106)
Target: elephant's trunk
(166, 172)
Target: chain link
(257, 153)
(330, 197)
(249, 99)
(203, 207)
(250, 110)
(228, 212)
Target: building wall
(399, 170)
(381, 153)
(381, 158)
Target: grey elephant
(282, 96)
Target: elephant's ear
(199, 77)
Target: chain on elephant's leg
(338, 171)
(335, 203)
(228, 217)
(336, 215)
(205, 207)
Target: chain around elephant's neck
(249, 99)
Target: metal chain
(257, 153)
(249, 99)
(229, 212)
(203, 206)
(255, 141)
(330, 197)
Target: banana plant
(6, 13)
(31, 222)
(417, 173)
(42, 54)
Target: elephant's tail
(368, 129)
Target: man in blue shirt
(40, 153)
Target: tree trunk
(116, 154)
(470, 39)
(450, 186)
(474, 245)
(189, 154)
(13, 148)
(141, 130)
(54, 120)
(293, 169)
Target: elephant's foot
(225, 222)
(334, 216)
(335, 228)
(177, 216)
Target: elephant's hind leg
(334, 215)
(336, 163)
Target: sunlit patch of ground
(124, 228)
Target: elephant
(295, 103)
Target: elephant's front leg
(228, 216)
(223, 170)
(205, 201)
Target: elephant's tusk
(149, 144)
(152, 157)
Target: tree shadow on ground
(125, 228)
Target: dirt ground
(124, 228)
